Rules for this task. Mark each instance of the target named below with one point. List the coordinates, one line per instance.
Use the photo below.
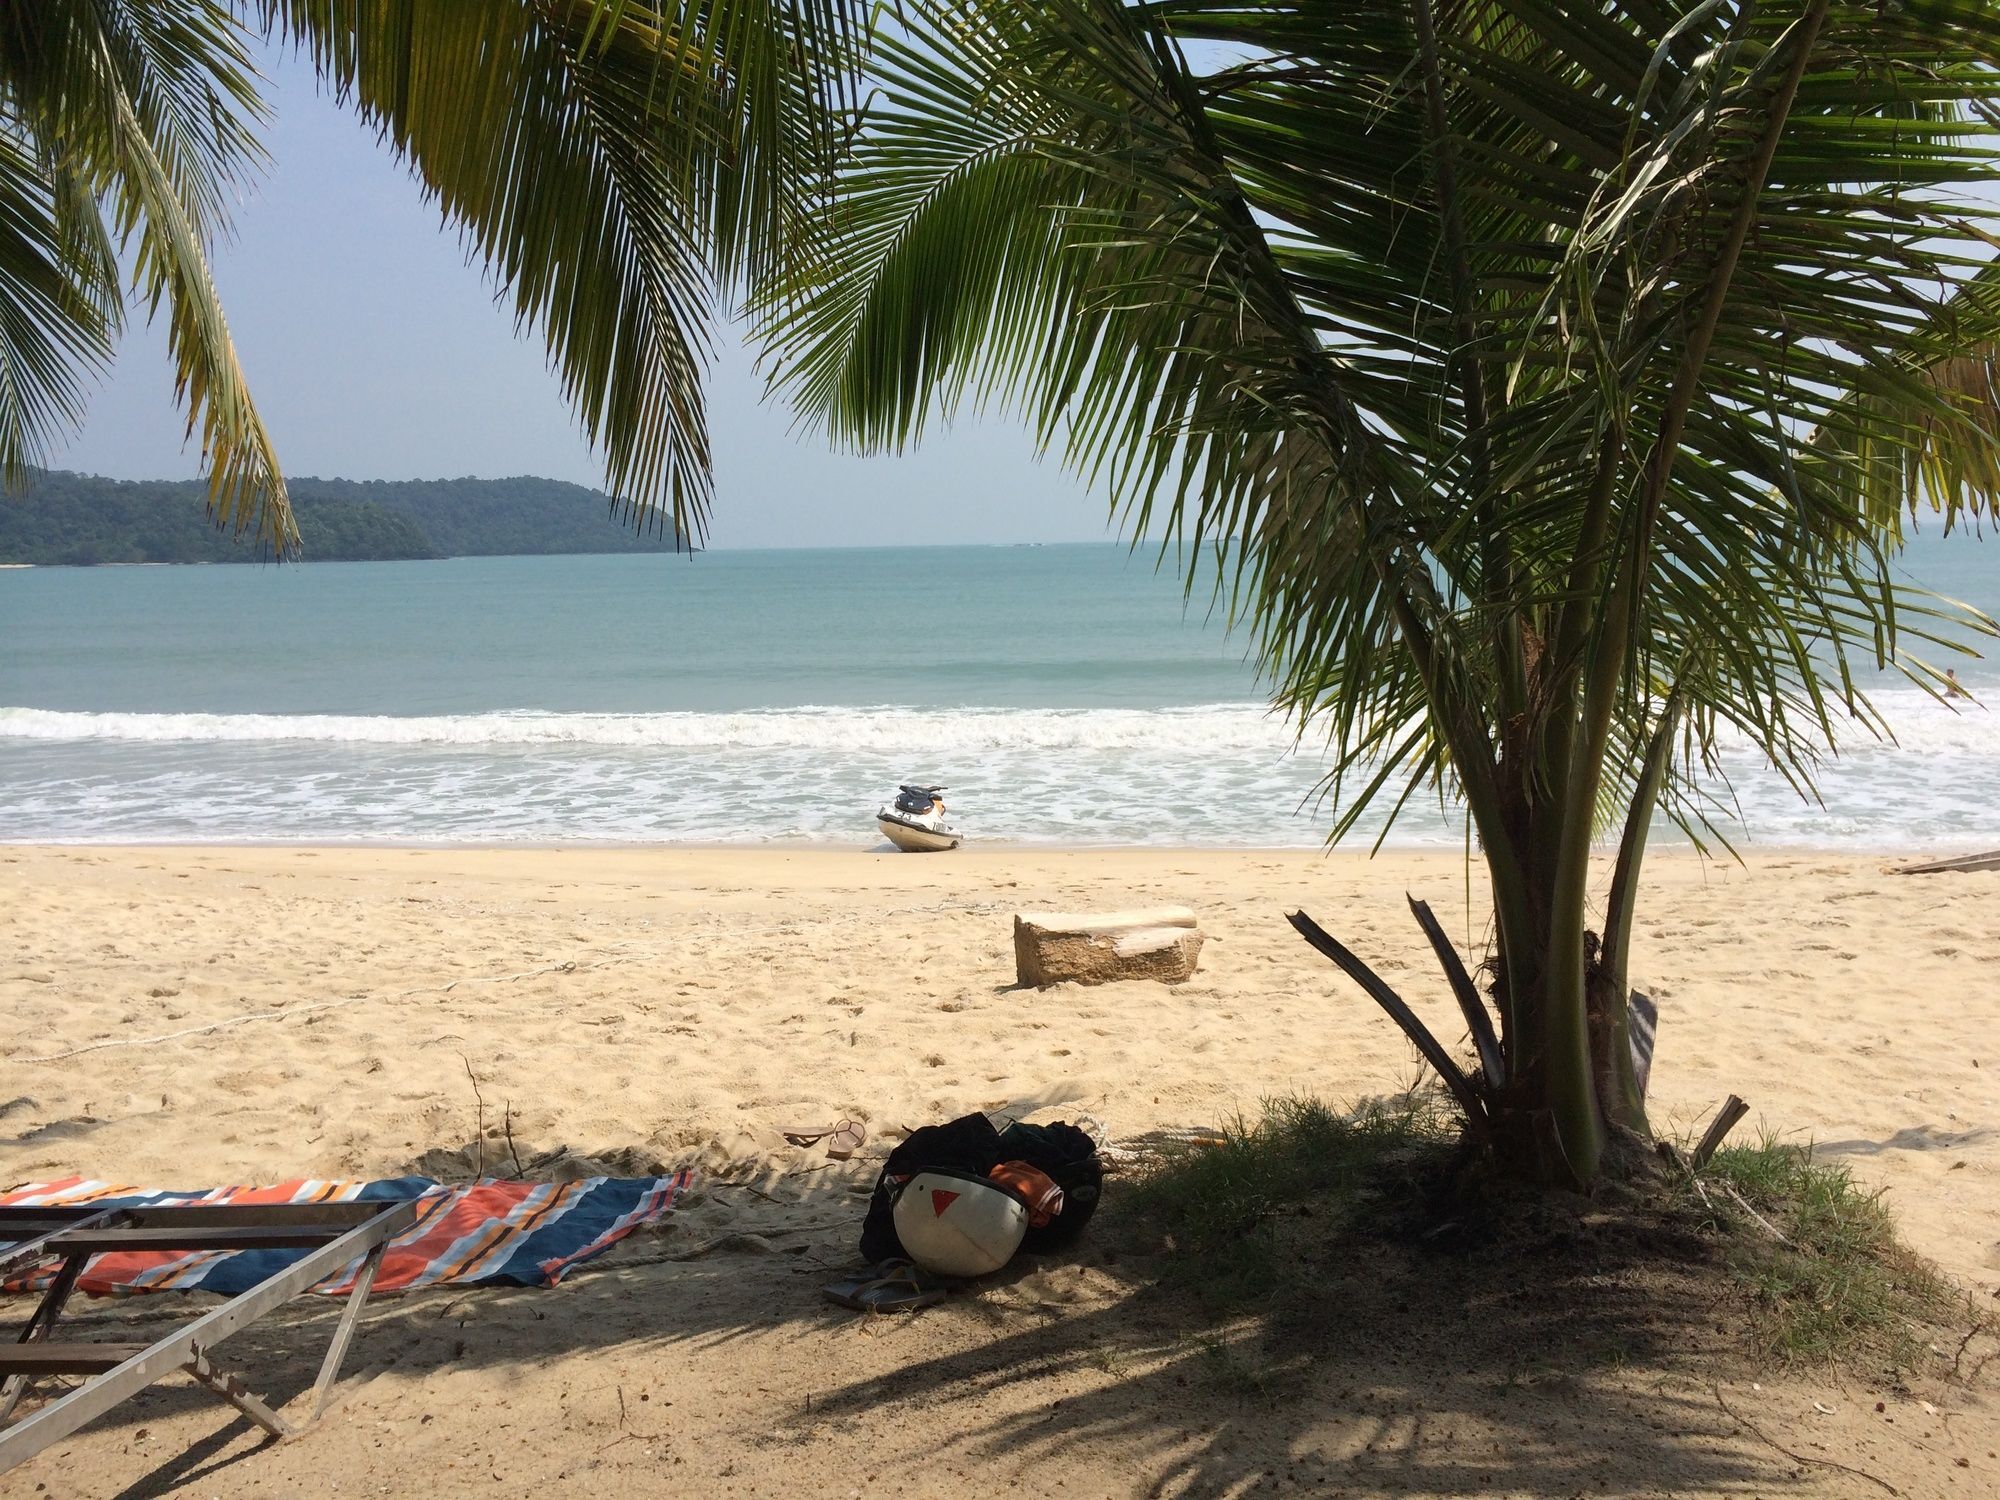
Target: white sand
(677, 1005)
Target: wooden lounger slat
(233, 1215)
(45, 1358)
(13, 1216)
(16, 1230)
(20, 1222)
(28, 1248)
(149, 1237)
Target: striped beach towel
(486, 1233)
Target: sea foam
(888, 728)
(1917, 723)
(1221, 774)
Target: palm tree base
(1517, 1125)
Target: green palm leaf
(147, 110)
(1484, 345)
(616, 167)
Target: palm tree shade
(615, 166)
(1542, 383)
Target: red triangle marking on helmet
(941, 1200)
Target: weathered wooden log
(1959, 865)
(1162, 944)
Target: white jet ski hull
(913, 837)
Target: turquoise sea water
(1065, 693)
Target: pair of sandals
(892, 1286)
(843, 1138)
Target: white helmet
(959, 1225)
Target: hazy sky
(375, 352)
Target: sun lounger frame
(334, 1235)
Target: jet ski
(915, 823)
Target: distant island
(78, 520)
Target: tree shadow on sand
(1583, 1364)
(1583, 1360)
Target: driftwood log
(1962, 864)
(1161, 943)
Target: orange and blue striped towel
(486, 1233)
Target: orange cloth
(1044, 1198)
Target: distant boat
(915, 823)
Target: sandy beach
(187, 1017)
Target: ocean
(1065, 695)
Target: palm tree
(1561, 371)
(616, 165)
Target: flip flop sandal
(806, 1135)
(901, 1290)
(847, 1139)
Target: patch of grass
(1326, 1224)
(1839, 1285)
(1219, 1207)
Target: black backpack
(973, 1146)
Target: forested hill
(497, 517)
(80, 519)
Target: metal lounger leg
(173, 1351)
(39, 1323)
(329, 1370)
(232, 1390)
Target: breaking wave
(888, 728)
(1219, 774)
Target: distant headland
(80, 520)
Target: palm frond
(149, 110)
(59, 305)
(615, 167)
(1406, 334)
